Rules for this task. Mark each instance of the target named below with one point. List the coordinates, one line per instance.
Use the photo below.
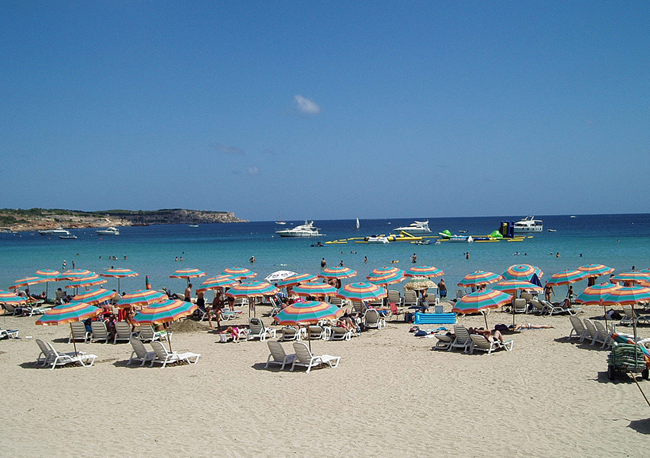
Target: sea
(618, 241)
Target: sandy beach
(390, 394)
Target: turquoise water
(619, 241)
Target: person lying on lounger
(492, 335)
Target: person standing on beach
(548, 291)
(442, 288)
(188, 293)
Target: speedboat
(69, 235)
(108, 231)
(416, 227)
(59, 231)
(529, 224)
(304, 230)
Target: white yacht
(417, 227)
(58, 231)
(529, 224)
(68, 235)
(304, 230)
(108, 231)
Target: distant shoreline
(39, 219)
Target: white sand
(390, 395)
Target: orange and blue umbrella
(479, 278)
(239, 272)
(307, 312)
(27, 281)
(296, 280)
(94, 296)
(627, 295)
(220, 281)
(93, 280)
(596, 270)
(73, 274)
(512, 286)
(566, 277)
(386, 276)
(119, 272)
(522, 272)
(68, 313)
(592, 295)
(252, 289)
(633, 277)
(50, 274)
(481, 301)
(315, 289)
(337, 272)
(164, 312)
(424, 271)
(7, 297)
(362, 292)
(141, 297)
(188, 273)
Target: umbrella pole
(604, 311)
(485, 316)
(74, 341)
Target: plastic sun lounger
(164, 356)
(305, 358)
(278, 355)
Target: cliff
(39, 218)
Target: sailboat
(357, 227)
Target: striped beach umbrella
(72, 274)
(592, 295)
(50, 274)
(362, 292)
(164, 312)
(627, 295)
(27, 281)
(68, 313)
(512, 286)
(252, 289)
(522, 272)
(7, 297)
(296, 280)
(386, 276)
(424, 271)
(119, 272)
(308, 312)
(220, 281)
(94, 296)
(143, 297)
(566, 277)
(338, 272)
(315, 289)
(481, 301)
(239, 272)
(187, 274)
(84, 282)
(633, 277)
(479, 278)
(596, 270)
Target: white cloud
(253, 171)
(306, 106)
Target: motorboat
(58, 231)
(193, 225)
(529, 224)
(108, 231)
(303, 230)
(69, 235)
(416, 227)
(377, 239)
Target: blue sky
(326, 110)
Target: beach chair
(11, 309)
(34, 308)
(394, 296)
(537, 307)
(462, 339)
(443, 342)
(147, 334)
(257, 330)
(521, 306)
(604, 335)
(99, 331)
(59, 295)
(394, 311)
(318, 332)
(632, 318)
(63, 359)
(9, 333)
(164, 357)
(336, 301)
(227, 314)
(592, 332)
(460, 293)
(290, 333)
(78, 332)
(578, 329)
(340, 333)
(557, 309)
(305, 358)
(140, 352)
(372, 319)
(275, 306)
(410, 299)
(122, 331)
(480, 342)
(278, 355)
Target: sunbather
(520, 327)
(492, 335)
